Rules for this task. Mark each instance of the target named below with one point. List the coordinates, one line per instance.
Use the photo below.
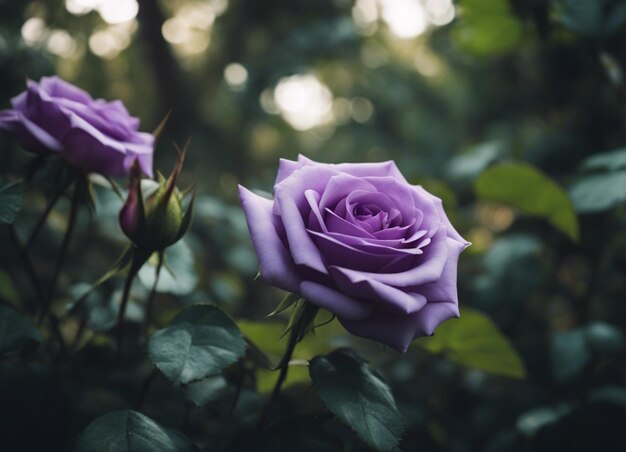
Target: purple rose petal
(55, 117)
(358, 240)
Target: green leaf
(203, 391)
(487, 27)
(10, 200)
(475, 341)
(468, 165)
(130, 431)
(570, 353)
(583, 16)
(201, 341)
(16, 332)
(526, 188)
(599, 192)
(265, 335)
(612, 161)
(178, 275)
(359, 397)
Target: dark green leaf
(467, 166)
(16, 332)
(10, 200)
(612, 68)
(359, 397)
(615, 19)
(612, 161)
(178, 275)
(605, 339)
(534, 420)
(130, 431)
(524, 187)
(203, 391)
(599, 192)
(570, 353)
(583, 16)
(475, 341)
(201, 341)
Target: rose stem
(74, 205)
(140, 256)
(42, 220)
(152, 296)
(295, 335)
(120, 317)
(238, 388)
(32, 274)
(144, 389)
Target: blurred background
(445, 89)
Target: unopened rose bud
(160, 219)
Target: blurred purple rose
(361, 242)
(55, 117)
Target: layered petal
(428, 270)
(276, 264)
(445, 288)
(294, 209)
(32, 137)
(93, 135)
(452, 232)
(336, 302)
(399, 330)
(382, 294)
(379, 253)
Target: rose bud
(157, 218)
(54, 117)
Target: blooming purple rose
(55, 117)
(360, 241)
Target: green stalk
(44, 216)
(304, 315)
(34, 279)
(140, 256)
(74, 206)
(152, 296)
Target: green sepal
(286, 302)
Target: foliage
(511, 111)
(473, 340)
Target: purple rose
(55, 117)
(360, 241)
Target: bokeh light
(304, 101)
(61, 43)
(236, 76)
(108, 42)
(111, 11)
(406, 19)
(188, 31)
(34, 30)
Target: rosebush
(55, 117)
(360, 241)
